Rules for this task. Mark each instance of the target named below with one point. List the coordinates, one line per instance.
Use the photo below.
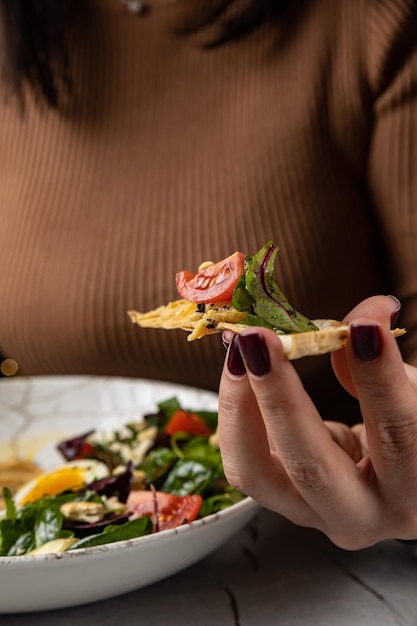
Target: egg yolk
(55, 482)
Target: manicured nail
(366, 341)
(235, 362)
(255, 353)
(227, 338)
(396, 313)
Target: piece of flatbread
(15, 473)
(215, 318)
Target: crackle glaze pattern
(35, 413)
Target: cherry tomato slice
(214, 283)
(172, 510)
(187, 422)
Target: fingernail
(396, 313)
(366, 341)
(255, 353)
(227, 338)
(235, 363)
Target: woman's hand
(358, 485)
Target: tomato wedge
(214, 283)
(187, 422)
(172, 510)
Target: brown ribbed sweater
(170, 154)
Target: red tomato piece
(86, 451)
(214, 283)
(187, 422)
(172, 510)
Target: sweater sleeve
(392, 167)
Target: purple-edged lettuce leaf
(258, 293)
(71, 448)
(117, 485)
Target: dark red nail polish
(255, 354)
(235, 363)
(396, 313)
(366, 341)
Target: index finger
(322, 473)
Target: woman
(186, 132)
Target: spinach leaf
(166, 410)
(33, 527)
(10, 505)
(157, 464)
(36, 523)
(198, 449)
(16, 537)
(169, 407)
(210, 417)
(48, 525)
(216, 503)
(188, 477)
(135, 528)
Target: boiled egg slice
(72, 476)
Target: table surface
(271, 572)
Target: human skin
(356, 484)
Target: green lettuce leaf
(258, 294)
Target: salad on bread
(238, 292)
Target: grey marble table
(271, 573)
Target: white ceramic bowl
(35, 413)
